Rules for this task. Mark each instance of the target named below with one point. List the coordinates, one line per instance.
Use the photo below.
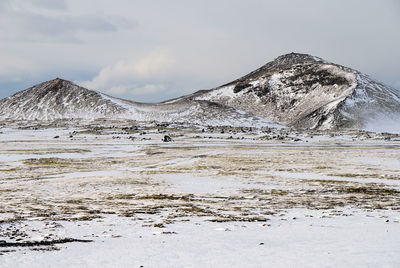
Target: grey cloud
(38, 27)
(4, 4)
(47, 25)
(49, 4)
(10, 5)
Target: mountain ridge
(62, 99)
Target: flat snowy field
(118, 196)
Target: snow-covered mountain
(61, 99)
(296, 90)
(304, 91)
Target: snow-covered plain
(214, 197)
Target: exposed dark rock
(42, 243)
(167, 139)
(240, 86)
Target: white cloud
(158, 63)
(117, 90)
(133, 90)
(133, 76)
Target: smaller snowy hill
(61, 99)
(57, 99)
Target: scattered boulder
(167, 138)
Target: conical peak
(296, 58)
(294, 55)
(58, 81)
(56, 87)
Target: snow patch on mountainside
(224, 92)
(372, 106)
(274, 81)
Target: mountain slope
(61, 99)
(304, 91)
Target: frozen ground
(115, 195)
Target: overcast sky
(155, 50)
